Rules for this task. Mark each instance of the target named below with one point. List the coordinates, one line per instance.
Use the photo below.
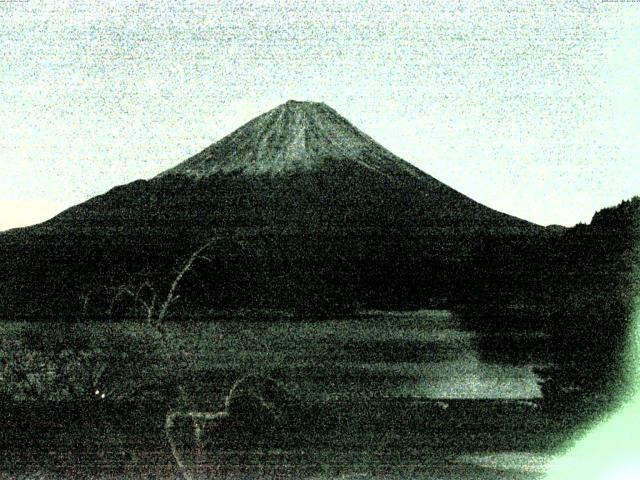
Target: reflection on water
(418, 354)
(421, 354)
(453, 363)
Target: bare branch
(171, 296)
(121, 291)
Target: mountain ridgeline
(302, 211)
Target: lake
(393, 366)
(426, 354)
(418, 354)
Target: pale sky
(530, 107)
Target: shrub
(49, 362)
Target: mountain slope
(323, 212)
(300, 165)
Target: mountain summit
(292, 137)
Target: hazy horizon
(531, 109)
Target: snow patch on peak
(291, 137)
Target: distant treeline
(310, 273)
(578, 285)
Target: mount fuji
(321, 208)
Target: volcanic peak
(291, 137)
